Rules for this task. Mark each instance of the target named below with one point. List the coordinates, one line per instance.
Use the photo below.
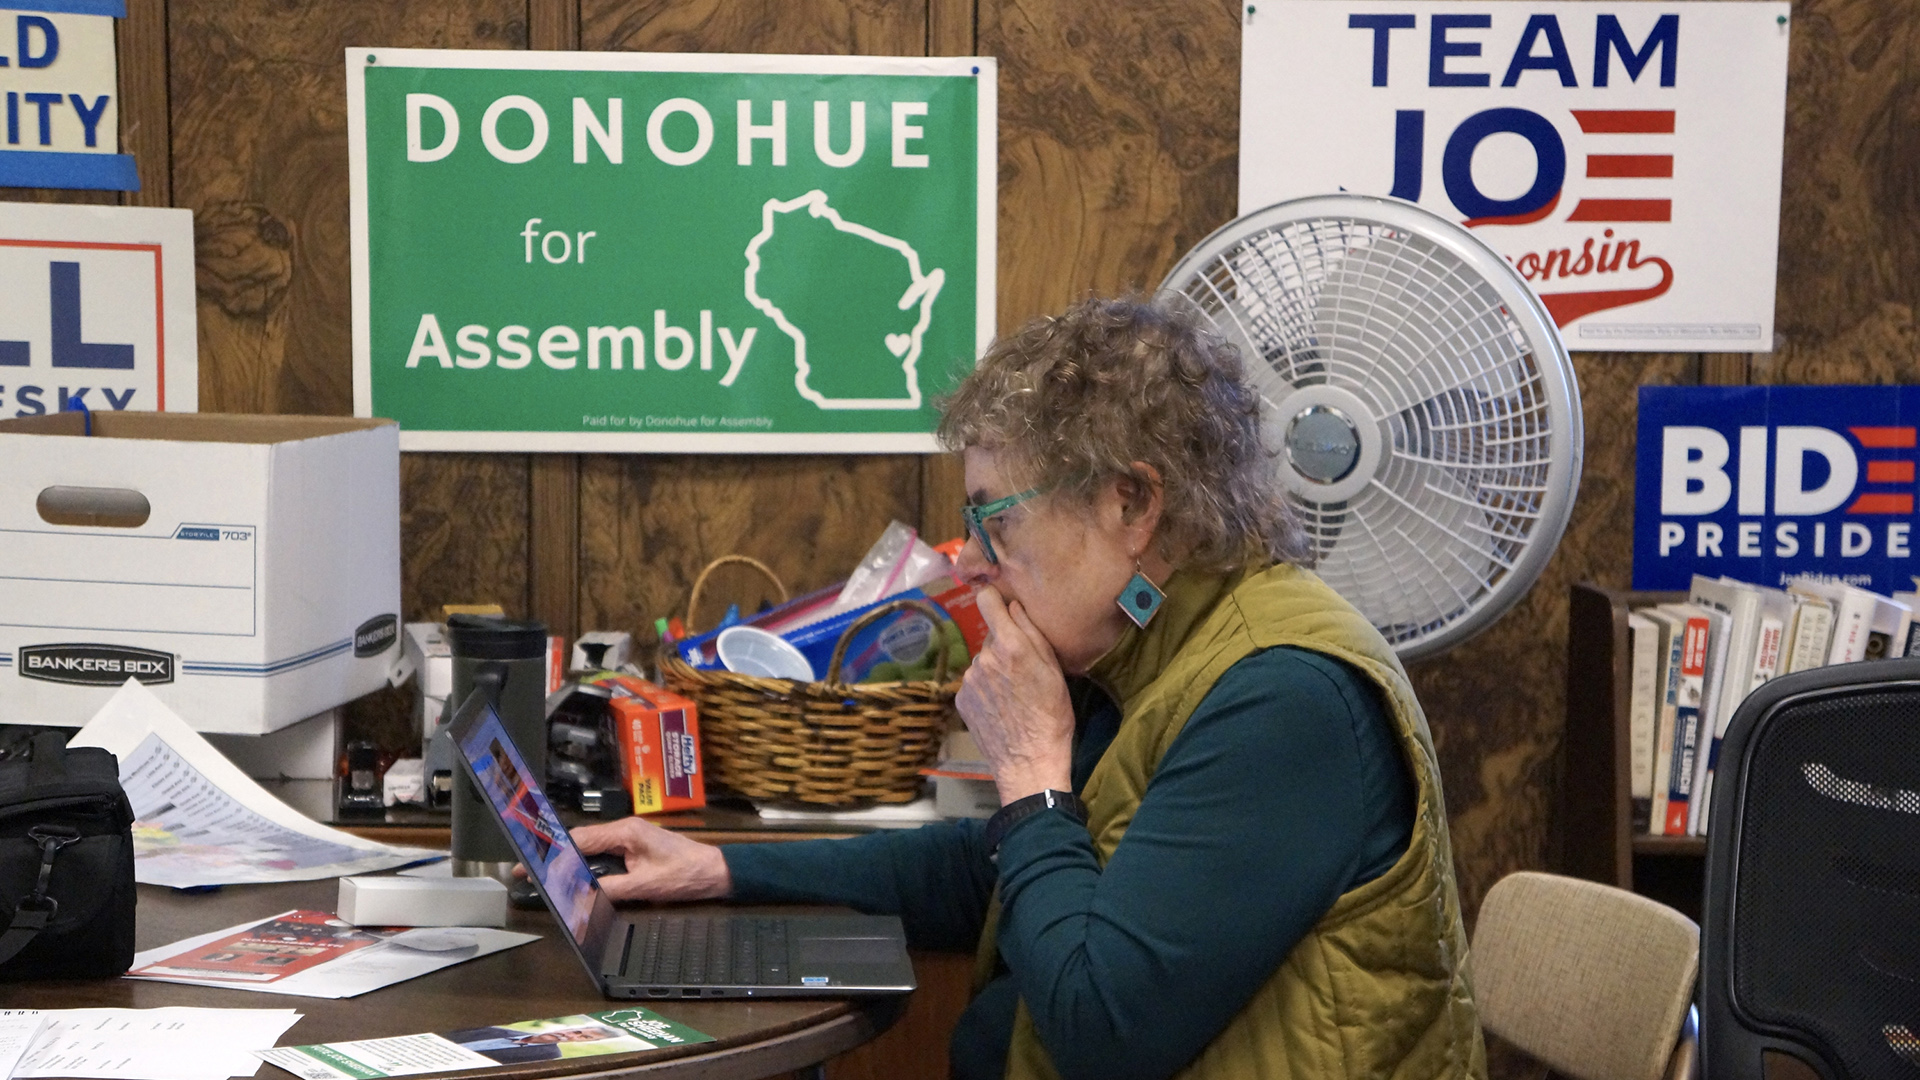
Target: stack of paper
(18, 1027)
(314, 954)
(201, 821)
(153, 1044)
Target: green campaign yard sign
(667, 252)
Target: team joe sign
(1624, 157)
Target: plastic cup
(749, 650)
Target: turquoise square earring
(1140, 599)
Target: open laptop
(659, 953)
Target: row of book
(1693, 663)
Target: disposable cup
(749, 650)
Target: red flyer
(267, 952)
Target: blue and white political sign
(1762, 483)
(59, 73)
(1623, 156)
(96, 304)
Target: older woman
(1222, 849)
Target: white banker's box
(246, 569)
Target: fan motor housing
(1330, 439)
(1322, 444)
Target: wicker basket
(821, 744)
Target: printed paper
(618, 1031)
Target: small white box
(431, 655)
(963, 784)
(963, 797)
(246, 569)
(615, 649)
(427, 653)
(410, 901)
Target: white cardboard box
(246, 569)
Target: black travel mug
(506, 660)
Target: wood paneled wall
(1119, 128)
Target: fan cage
(1465, 375)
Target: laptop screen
(544, 845)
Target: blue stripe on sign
(53, 169)
(261, 671)
(115, 8)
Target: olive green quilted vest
(1379, 988)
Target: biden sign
(1765, 483)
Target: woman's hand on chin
(1014, 701)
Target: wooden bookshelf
(1596, 806)
(1644, 844)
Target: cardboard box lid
(191, 427)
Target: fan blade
(1408, 322)
(1322, 522)
(1412, 554)
(1276, 286)
(1500, 449)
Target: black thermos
(505, 659)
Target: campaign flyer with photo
(617, 1031)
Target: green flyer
(617, 1031)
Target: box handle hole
(117, 508)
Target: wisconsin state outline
(844, 294)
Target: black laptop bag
(66, 864)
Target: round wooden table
(534, 981)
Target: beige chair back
(1592, 980)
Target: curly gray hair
(1074, 400)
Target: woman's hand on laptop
(661, 865)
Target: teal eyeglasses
(977, 517)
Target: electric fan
(1422, 404)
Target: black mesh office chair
(1810, 948)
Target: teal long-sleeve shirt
(1285, 789)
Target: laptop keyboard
(694, 950)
